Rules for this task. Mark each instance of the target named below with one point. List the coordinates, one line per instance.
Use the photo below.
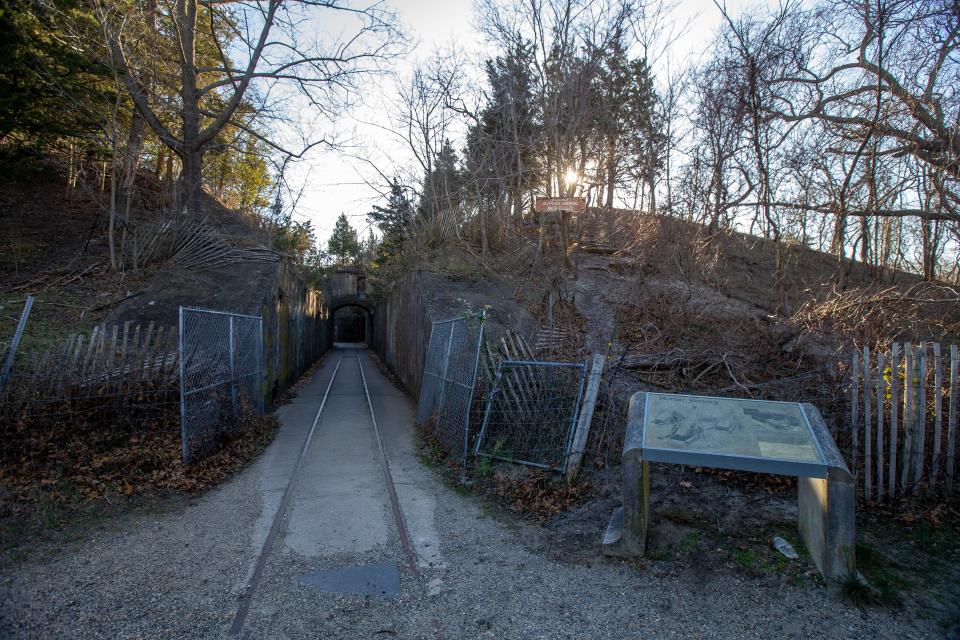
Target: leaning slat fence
(449, 377)
(88, 390)
(903, 415)
(531, 412)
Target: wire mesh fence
(221, 375)
(449, 375)
(531, 413)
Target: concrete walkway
(340, 503)
(184, 572)
(339, 514)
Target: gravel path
(180, 573)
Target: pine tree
(343, 244)
(505, 140)
(393, 220)
(648, 142)
(443, 187)
(50, 88)
(369, 249)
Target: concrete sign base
(827, 506)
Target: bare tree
(233, 62)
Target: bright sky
(336, 182)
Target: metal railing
(531, 413)
(221, 374)
(449, 375)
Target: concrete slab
(381, 579)
(276, 464)
(341, 503)
(415, 486)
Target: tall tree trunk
(191, 182)
(191, 177)
(158, 169)
(611, 172)
(115, 181)
(484, 244)
(132, 160)
(651, 179)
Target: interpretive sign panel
(731, 433)
(553, 205)
(785, 438)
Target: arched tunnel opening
(351, 324)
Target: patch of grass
(886, 581)
(49, 525)
(860, 593)
(690, 542)
(746, 557)
(902, 558)
(757, 559)
(484, 467)
(656, 553)
(799, 580)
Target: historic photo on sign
(729, 426)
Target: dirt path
(186, 573)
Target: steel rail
(246, 599)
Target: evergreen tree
(369, 249)
(646, 120)
(443, 187)
(504, 147)
(343, 245)
(50, 88)
(393, 219)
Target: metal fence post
(12, 352)
(260, 367)
(473, 385)
(423, 376)
(184, 443)
(233, 370)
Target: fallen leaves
(539, 493)
(93, 455)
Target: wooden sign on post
(555, 205)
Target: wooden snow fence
(110, 361)
(903, 416)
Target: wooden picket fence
(903, 411)
(109, 361)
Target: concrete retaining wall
(296, 332)
(403, 317)
(400, 330)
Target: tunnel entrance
(350, 324)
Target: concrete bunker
(351, 323)
(350, 307)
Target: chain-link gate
(221, 374)
(449, 375)
(531, 413)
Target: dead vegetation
(85, 454)
(522, 490)
(92, 415)
(678, 308)
(880, 314)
